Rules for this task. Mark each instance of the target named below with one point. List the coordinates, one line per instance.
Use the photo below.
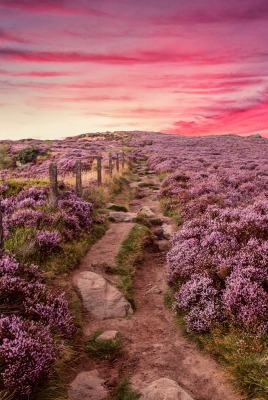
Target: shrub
(28, 154)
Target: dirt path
(153, 346)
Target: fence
(53, 183)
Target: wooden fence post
(99, 170)
(123, 159)
(1, 234)
(53, 184)
(117, 162)
(110, 165)
(78, 175)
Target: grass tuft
(106, 349)
(124, 392)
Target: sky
(189, 67)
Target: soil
(153, 346)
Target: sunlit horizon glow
(183, 67)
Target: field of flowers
(217, 188)
(35, 317)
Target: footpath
(158, 361)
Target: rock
(163, 245)
(88, 386)
(101, 299)
(120, 216)
(168, 231)
(107, 335)
(164, 389)
(146, 211)
(151, 172)
(154, 290)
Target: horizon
(170, 67)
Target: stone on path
(120, 216)
(168, 231)
(101, 299)
(164, 389)
(88, 386)
(107, 335)
(147, 212)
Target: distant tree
(28, 154)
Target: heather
(34, 318)
(215, 189)
(42, 244)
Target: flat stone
(101, 299)
(147, 212)
(168, 231)
(88, 386)
(107, 335)
(164, 389)
(120, 216)
(163, 245)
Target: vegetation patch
(124, 392)
(130, 256)
(118, 207)
(105, 349)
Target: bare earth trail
(153, 346)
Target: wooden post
(1, 234)
(117, 162)
(78, 174)
(123, 160)
(53, 183)
(110, 165)
(99, 170)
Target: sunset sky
(190, 67)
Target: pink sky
(178, 66)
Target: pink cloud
(9, 37)
(245, 120)
(61, 7)
(136, 57)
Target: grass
(124, 392)
(244, 356)
(118, 207)
(147, 184)
(170, 208)
(105, 349)
(130, 256)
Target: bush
(28, 154)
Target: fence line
(53, 185)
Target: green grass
(106, 349)
(130, 256)
(124, 392)
(118, 207)
(244, 356)
(170, 208)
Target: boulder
(120, 216)
(164, 389)
(107, 335)
(88, 386)
(101, 299)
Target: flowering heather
(27, 345)
(218, 261)
(27, 352)
(48, 240)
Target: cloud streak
(58, 7)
